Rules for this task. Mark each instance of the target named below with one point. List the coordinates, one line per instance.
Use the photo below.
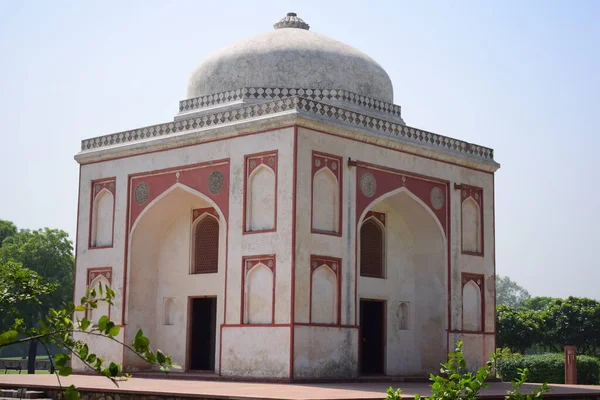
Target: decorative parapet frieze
(304, 106)
(252, 93)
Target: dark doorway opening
(372, 337)
(202, 330)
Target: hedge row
(549, 368)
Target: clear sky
(522, 77)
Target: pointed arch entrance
(414, 279)
(162, 247)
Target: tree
(538, 303)
(7, 229)
(49, 253)
(517, 329)
(573, 321)
(509, 292)
(58, 328)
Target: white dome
(291, 57)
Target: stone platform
(95, 387)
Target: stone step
(21, 394)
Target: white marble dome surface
(292, 57)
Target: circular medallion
(317, 162)
(476, 196)
(252, 164)
(314, 264)
(464, 193)
(334, 166)
(108, 275)
(437, 198)
(334, 266)
(97, 188)
(215, 182)
(141, 193)
(195, 213)
(270, 263)
(271, 161)
(111, 186)
(368, 184)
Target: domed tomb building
(288, 224)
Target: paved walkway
(272, 391)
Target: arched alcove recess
(471, 219)
(168, 311)
(326, 194)
(102, 210)
(258, 304)
(160, 259)
(416, 273)
(325, 290)
(403, 316)
(372, 245)
(260, 207)
(98, 277)
(472, 302)
(206, 243)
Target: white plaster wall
(103, 347)
(259, 295)
(343, 247)
(325, 352)
(278, 243)
(103, 219)
(477, 348)
(261, 199)
(102, 306)
(256, 351)
(324, 296)
(471, 307)
(470, 226)
(325, 201)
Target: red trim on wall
(195, 176)
(293, 255)
(125, 261)
(389, 179)
(334, 164)
(96, 187)
(475, 193)
(198, 212)
(494, 251)
(251, 163)
(379, 216)
(449, 272)
(478, 279)
(77, 235)
(93, 273)
(249, 262)
(326, 325)
(335, 265)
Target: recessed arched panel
(168, 311)
(324, 296)
(372, 248)
(325, 202)
(102, 219)
(402, 315)
(261, 200)
(206, 245)
(259, 295)
(471, 226)
(103, 308)
(471, 307)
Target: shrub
(549, 368)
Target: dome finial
(291, 20)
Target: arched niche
(259, 295)
(206, 245)
(325, 201)
(471, 307)
(103, 308)
(372, 248)
(102, 219)
(260, 199)
(324, 296)
(471, 226)
(168, 311)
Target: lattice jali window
(372, 249)
(206, 245)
